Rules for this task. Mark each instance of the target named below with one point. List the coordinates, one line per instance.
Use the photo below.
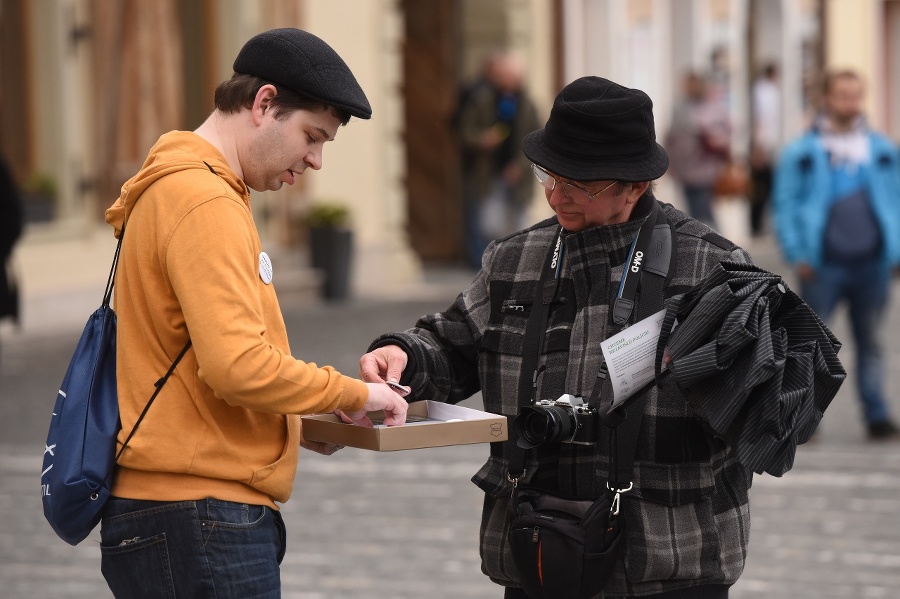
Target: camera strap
(531, 349)
(651, 253)
(537, 322)
(653, 245)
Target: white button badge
(265, 268)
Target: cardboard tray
(427, 426)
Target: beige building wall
(532, 36)
(62, 92)
(853, 36)
(365, 165)
(892, 68)
(524, 27)
(627, 40)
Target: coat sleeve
(443, 347)
(212, 264)
(886, 188)
(788, 205)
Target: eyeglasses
(573, 192)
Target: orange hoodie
(225, 424)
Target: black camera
(566, 420)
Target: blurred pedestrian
(764, 142)
(494, 115)
(698, 143)
(11, 223)
(837, 217)
(718, 78)
(200, 481)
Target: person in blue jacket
(837, 217)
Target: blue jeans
(204, 548)
(699, 200)
(865, 288)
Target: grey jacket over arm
(757, 365)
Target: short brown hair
(240, 91)
(831, 77)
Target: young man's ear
(263, 102)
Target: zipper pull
(535, 534)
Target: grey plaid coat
(687, 518)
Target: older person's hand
(383, 364)
(805, 272)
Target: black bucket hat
(599, 130)
(305, 64)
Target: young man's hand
(381, 397)
(317, 446)
(321, 447)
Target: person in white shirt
(764, 141)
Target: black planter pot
(331, 251)
(39, 207)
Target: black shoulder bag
(565, 548)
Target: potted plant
(39, 197)
(331, 246)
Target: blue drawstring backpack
(80, 453)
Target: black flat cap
(302, 62)
(599, 130)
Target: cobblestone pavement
(405, 524)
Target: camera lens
(536, 428)
(544, 425)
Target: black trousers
(760, 197)
(712, 591)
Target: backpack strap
(162, 381)
(159, 385)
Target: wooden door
(16, 96)
(434, 205)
